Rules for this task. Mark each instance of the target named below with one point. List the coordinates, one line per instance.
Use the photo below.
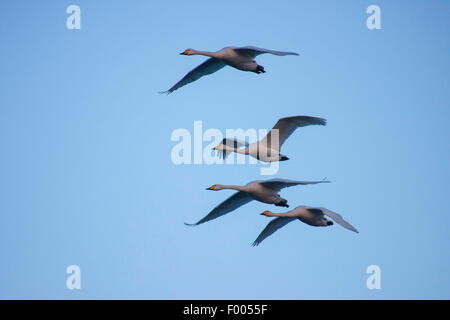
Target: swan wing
(255, 51)
(336, 217)
(232, 203)
(285, 127)
(209, 66)
(273, 226)
(278, 184)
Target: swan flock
(267, 149)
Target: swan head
(188, 52)
(266, 213)
(214, 187)
(219, 147)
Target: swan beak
(265, 213)
(284, 158)
(182, 53)
(210, 188)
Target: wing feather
(209, 66)
(336, 217)
(286, 126)
(255, 51)
(273, 226)
(232, 203)
(278, 184)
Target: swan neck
(206, 53)
(233, 187)
(237, 150)
(241, 151)
(286, 214)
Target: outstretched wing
(336, 217)
(209, 66)
(232, 203)
(278, 184)
(285, 127)
(234, 143)
(255, 51)
(273, 226)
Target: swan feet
(282, 203)
(259, 69)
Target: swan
(263, 191)
(309, 215)
(241, 58)
(268, 149)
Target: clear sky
(86, 176)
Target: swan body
(268, 149)
(263, 191)
(310, 215)
(241, 58)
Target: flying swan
(309, 215)
(241, 58)
(263, 191)
(268, 149)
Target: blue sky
(87, 178)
